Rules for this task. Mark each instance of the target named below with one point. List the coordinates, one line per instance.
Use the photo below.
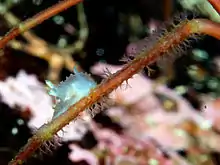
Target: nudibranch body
(70, 91)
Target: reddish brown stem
(37, 19)
(215, 4)
(164, 44)
(167, 7)
(31, 147)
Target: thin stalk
(215, 4)
(37, 19)
(164, 44)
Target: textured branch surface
(166, 42)
(37, 19)
(215, 4)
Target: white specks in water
(62, 41)
(20, 122)
(37, 2)
(14, 131)
(100, 52)
(58, 19)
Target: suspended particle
(181, 90)
(58, 19)
(14, 131)
(100, 52)
(200, 55)
(20, 122)
(62, 42)
(37, 2)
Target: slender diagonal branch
(37, 19)
(215, 4)
(56, 57)
(160, 48)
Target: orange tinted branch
(164, 44)
(37, 19)
(207, 27)
(215, 4)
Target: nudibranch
(68, 92)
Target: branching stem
(37, 19)
(169, 40)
